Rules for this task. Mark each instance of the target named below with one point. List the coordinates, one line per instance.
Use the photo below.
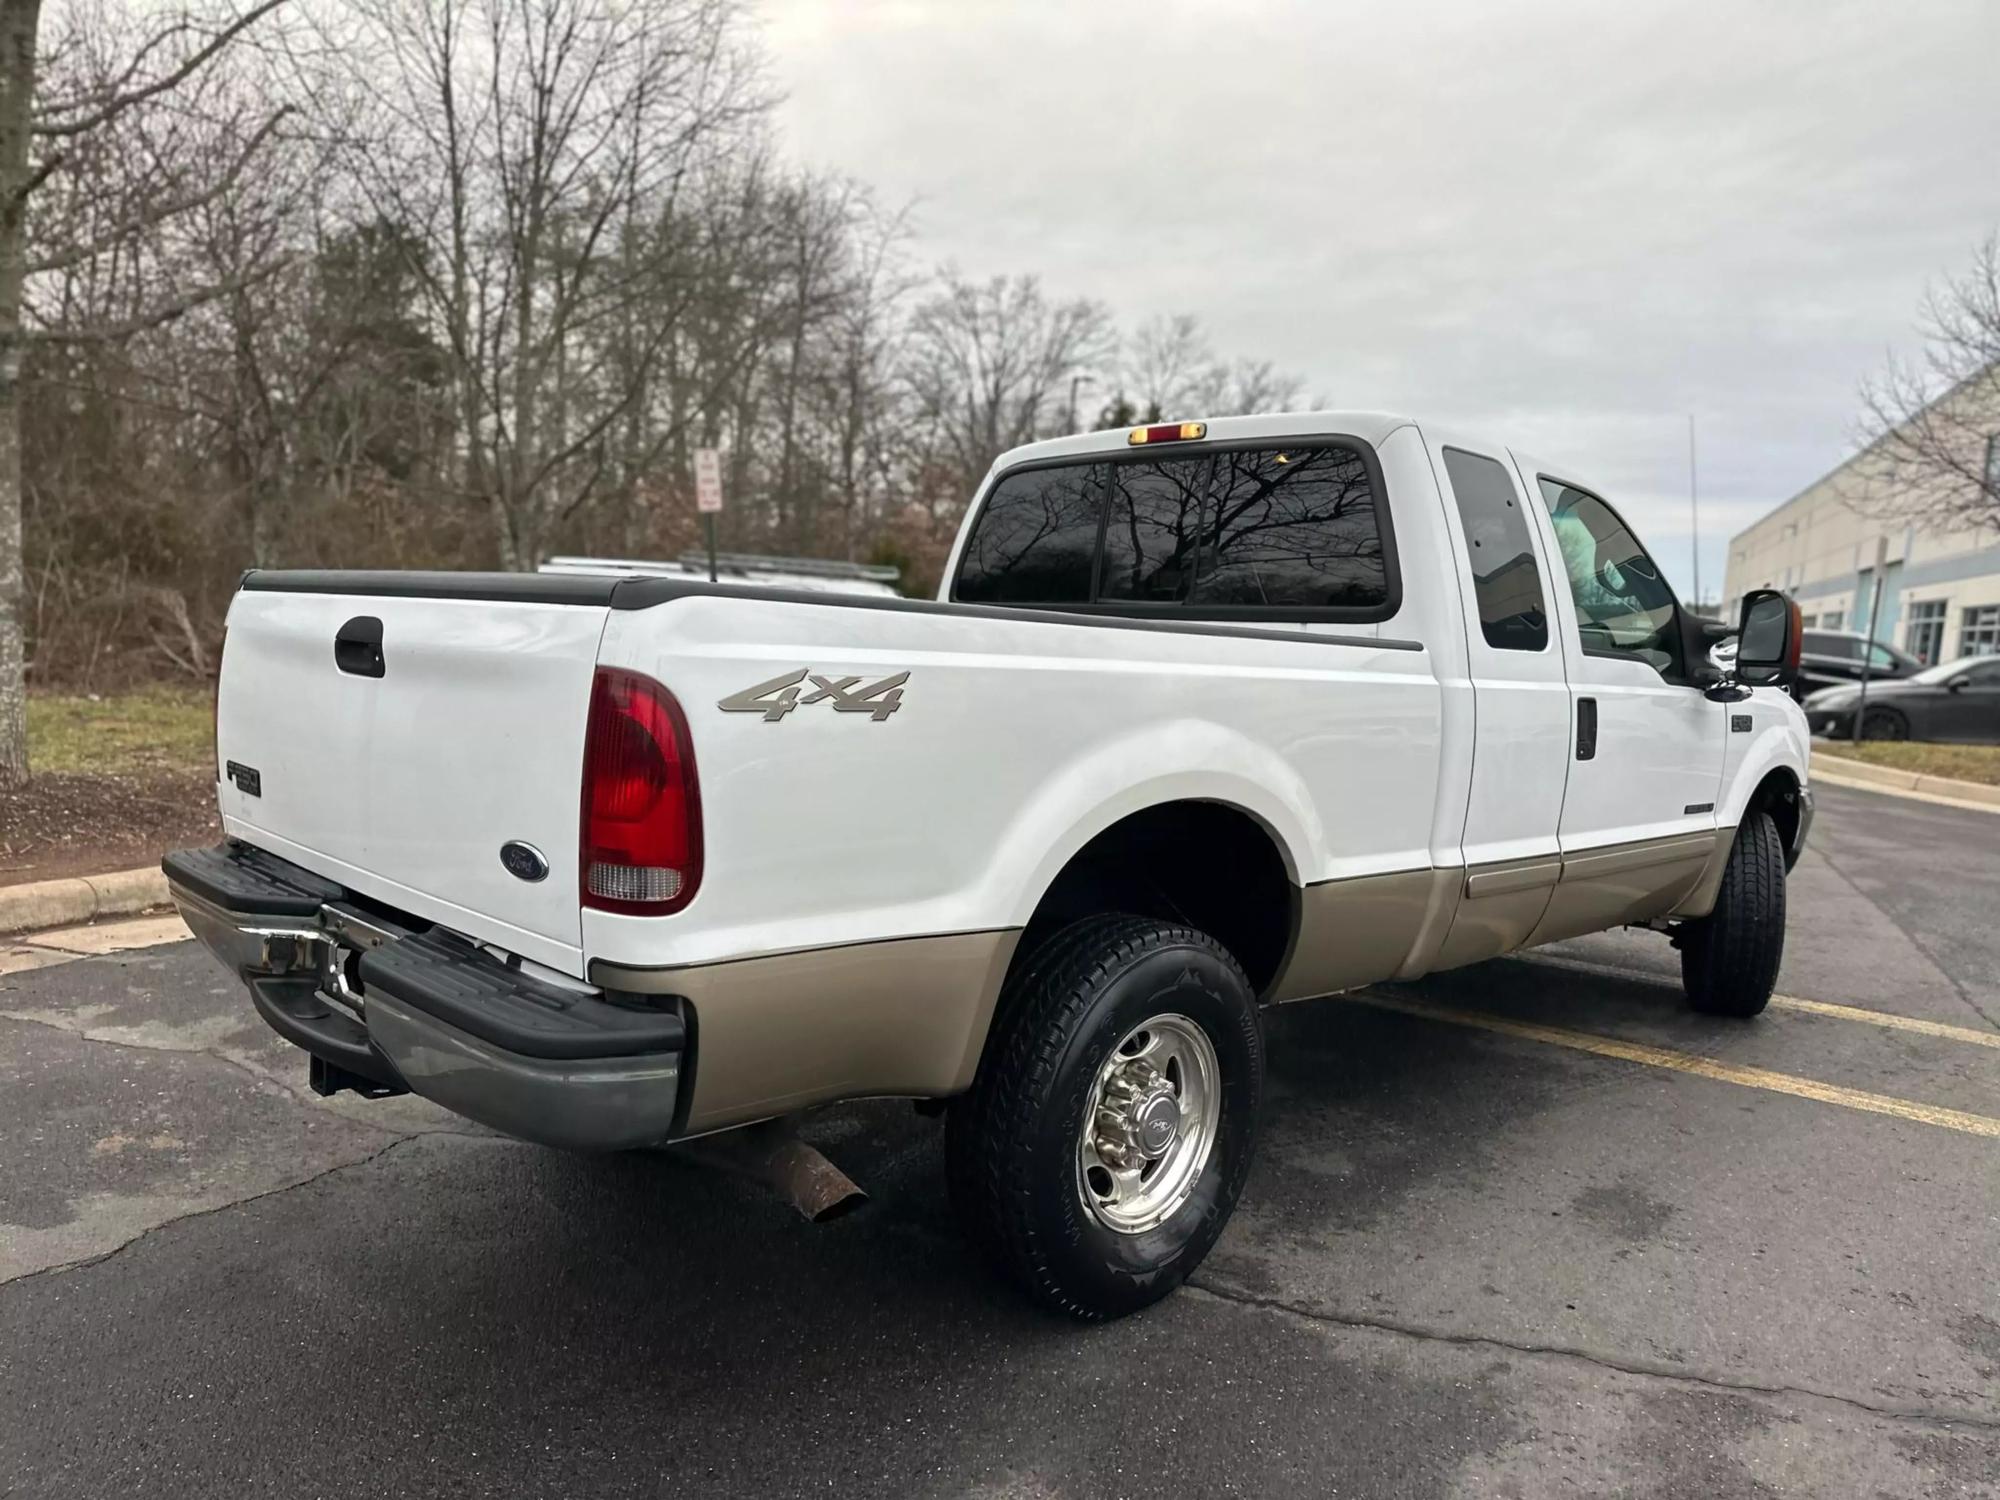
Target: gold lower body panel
(783, 1032)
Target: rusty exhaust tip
(772, 1153)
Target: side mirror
(1959, 684)
(1768, 638)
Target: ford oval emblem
(523, 861)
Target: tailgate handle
(357, 647)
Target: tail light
(641, 803)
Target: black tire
(1011, 1142)
(1730, 958)
(1884, 724)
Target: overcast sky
(1568, 223)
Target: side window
(1035, 540)
(1506, 580)
(1151, 529)
(1292, 527)
(1842, 647)
(1624, 605)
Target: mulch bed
(60, 825)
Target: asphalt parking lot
(1527, 1229)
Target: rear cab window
(1036, 541)
(1270, 530)
(1506, 579)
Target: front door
(1638, 817)
(1971, 712)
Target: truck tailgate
(401, 773)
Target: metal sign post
(1868, 636)
(708, 496)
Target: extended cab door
(1638, 814)
(1521, 702)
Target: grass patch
(1979, 763)
(156, 728)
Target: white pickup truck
(1207, 717)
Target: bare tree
(988, 369)
(1933, 423)
(540, 151)
(45, 134)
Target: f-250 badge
(779, 696)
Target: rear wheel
(1884, 724)
(1730, 958)
(1112, 1123)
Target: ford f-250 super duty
(1207, 717)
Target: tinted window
(1505, 578)
(1818, 643)
(1294, 527)
(1151, 529)
(1624, 605)
(1035, 540)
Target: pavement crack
(86, 1262)
(248, 1069)
(1639, 1368)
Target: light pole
(1694, 518)
(1074, 382)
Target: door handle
(1586, 729)
(357, 647)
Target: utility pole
(1694, 518)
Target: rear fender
(1184, 760)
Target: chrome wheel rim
(1149, 1124)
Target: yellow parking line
(1788, 1002)
(1688, 1062)
(1887, 1018)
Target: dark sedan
(1955, 700)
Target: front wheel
(1884, 724)
(1730, 958)
(1112, 1122)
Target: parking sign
(708, 480)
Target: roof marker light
(1167, 432)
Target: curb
(81, 898)
(1839, 771)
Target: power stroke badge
(779, 696)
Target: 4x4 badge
(779, 696)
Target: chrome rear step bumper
(386, 1006)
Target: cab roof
(1370, 426)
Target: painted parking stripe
(1688, 1062)
(1798, 1003)
(1887, 1018)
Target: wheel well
(1207, 864)
(1778, 795)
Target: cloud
(1566, 224)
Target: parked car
(1207, 717)
(1828, 658)
(1955, 700)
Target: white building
(1940, 590)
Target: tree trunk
(18, 22)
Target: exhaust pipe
(773, 1153)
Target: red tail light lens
(641, 802)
